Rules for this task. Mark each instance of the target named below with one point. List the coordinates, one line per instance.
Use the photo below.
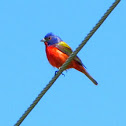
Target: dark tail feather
(91, 78)
(83, 70)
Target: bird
(57, 52)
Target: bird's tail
(83, 70)
(90, 77)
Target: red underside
(57, 58)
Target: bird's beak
(43, 40)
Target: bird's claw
(61, 73)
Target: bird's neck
(46, 44)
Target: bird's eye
(49, 38)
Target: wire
(63, 67)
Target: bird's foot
(56, 72)
(61, 73)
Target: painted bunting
(58, 51)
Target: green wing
(62, 46)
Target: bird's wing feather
(62, 46)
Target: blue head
(51, 39)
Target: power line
(64, 66)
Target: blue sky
(73, 99)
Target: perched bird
(57, 53)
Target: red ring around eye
(49, 38)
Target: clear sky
(73, 100)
